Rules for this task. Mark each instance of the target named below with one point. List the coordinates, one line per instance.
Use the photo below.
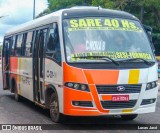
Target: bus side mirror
(148, 30)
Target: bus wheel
(129, 117)
(56, 116)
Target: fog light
(148, 101)
(76, 103)
(76, 86)
(82, 103)
(151, 101)
(83, 87)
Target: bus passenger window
(13, 42)
(53, 45)
(19, 45)
(28, 44)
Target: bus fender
(48, 92)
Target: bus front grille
(112, 89)
(118, 105)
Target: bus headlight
(151, 85)
(83, 87)
(70, 85)
(77, 86)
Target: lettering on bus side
(25, 80)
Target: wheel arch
(48, 92)
(13, 84)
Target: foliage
(146, 10)
(61, 4)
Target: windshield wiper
(145, 61)
(100, 58)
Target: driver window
(53, 45)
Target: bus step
(41, 105)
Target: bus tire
(55, 115)
(16, 95)
(129, 117)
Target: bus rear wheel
(129, 117)
(56, 116)
(16, 95)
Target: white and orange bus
(82, 61)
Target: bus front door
(5, 65)
(38, 65)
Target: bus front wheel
(56, 116)
(129, 117)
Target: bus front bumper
(78, 103)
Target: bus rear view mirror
(148, 30)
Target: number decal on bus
(51, 74)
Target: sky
(17, 12)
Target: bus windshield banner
(103, 24)
(114, 55)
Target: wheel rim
(54, 109)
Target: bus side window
(53, 45)
(13, 43)
(28, 44)
(5, 47)
(18, 50)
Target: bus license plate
(124, 98)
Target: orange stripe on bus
(102, 76)
(14, 64)
(75, 95)
(89, 77)
(84, 112)
(72, 74)
(106, 97)
(96, 99)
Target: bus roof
(34, 23)
(68, 13)
(96, 11)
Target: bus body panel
(22, 73)
(25, 78)
(107, 77)
(53, 76)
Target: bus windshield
(115, 38)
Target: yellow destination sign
(103, 24)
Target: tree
(55, 5)
(148, 11)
